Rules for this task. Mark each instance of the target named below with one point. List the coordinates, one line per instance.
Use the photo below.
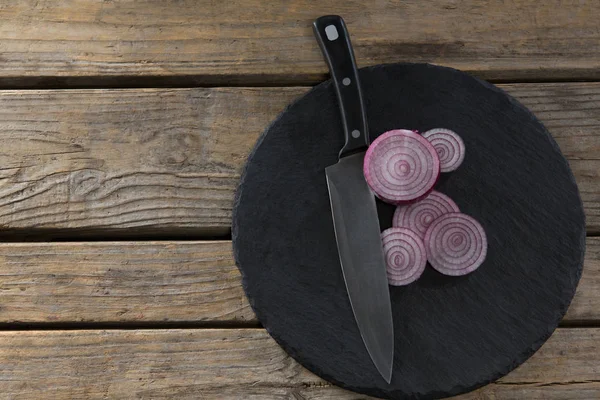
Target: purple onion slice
(401, 166)
(418, 216)
(456, 244)
(405, 255)
(449, 147)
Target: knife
(353, 206)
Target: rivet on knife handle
(334, 41)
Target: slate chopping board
(452, 334)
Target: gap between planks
(208, 82)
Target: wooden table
(124, 126)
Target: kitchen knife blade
(353, 207)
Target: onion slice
(405, 255)
(418, 216)
(456, 244)
(449, 147)
(401, 166)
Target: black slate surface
(453, 334)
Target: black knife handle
(334, 41)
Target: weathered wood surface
(167, 161)
(145, 282)
(125, 42)
(239, 363)
(121, 282)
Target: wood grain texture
(124, 42)
(167, 161)
(584, 307)
(121, 282)
(128, 159)
(150, 282)
(240, 363)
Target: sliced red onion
(418, 216)
(456, 244)
(401, 166)
(405, 255)
(449, 146)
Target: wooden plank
(167, 161)
(498, 391)
(154, 282)
(584, 307)
(238, 363)
(135, 160)
(121, 282)
(125, 42)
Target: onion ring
(456, 244)
(401, 166)
(449, 147)
(418, 216)
(405, 255)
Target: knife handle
(334, 41)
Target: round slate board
(452, 334)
